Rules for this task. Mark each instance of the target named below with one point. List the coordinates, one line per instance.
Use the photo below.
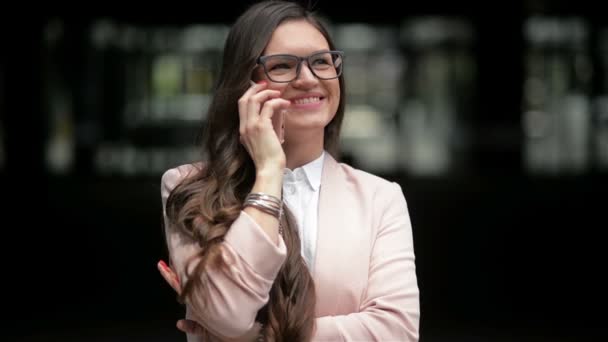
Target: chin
(308, 121)
(306, 126)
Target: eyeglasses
(284, 68)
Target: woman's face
(314, 101)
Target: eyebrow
(291, 54)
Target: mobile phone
(278, 123)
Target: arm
(234, 295)
(390, 308)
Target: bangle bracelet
(263, 196)
(266, 203)
(266, 207)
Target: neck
(302, 150)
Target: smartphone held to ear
(278, 122)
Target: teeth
(306, 100)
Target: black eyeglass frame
(262, 59)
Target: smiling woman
(274, 239)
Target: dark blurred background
(493, 117)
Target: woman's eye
(320, 61)
(280, 66)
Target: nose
(306, 77)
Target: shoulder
(371, 182)
(381, 193)
(173, 176)
(382, 198)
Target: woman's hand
(257, 106)
(185, 325)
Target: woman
(270, 237)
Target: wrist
(269, 182)
(268, 174)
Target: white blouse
(301, 194)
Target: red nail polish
(163, 265)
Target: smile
(307, 100)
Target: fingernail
(262, 82)
(163, 265)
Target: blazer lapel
(329, 235)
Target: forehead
(297, 37)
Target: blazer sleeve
(234, 294)
(390, 308)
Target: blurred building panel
(437, 94)
(600, 139)
(129, 160)
(134, 104)
(373, 65)
(168, 75)
(60, 140)
(557, 95)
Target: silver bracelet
(267, 207)
(263, 196)
(266, 203)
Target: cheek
(334, 88)
(278, 86)
(335, 91)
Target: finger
(244, 100)
(170, 276)
(273, 106)
(190, 327)
(169, 270)
(166, 275)
(257, 101)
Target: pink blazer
(364, 267)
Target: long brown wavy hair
(205, 205)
